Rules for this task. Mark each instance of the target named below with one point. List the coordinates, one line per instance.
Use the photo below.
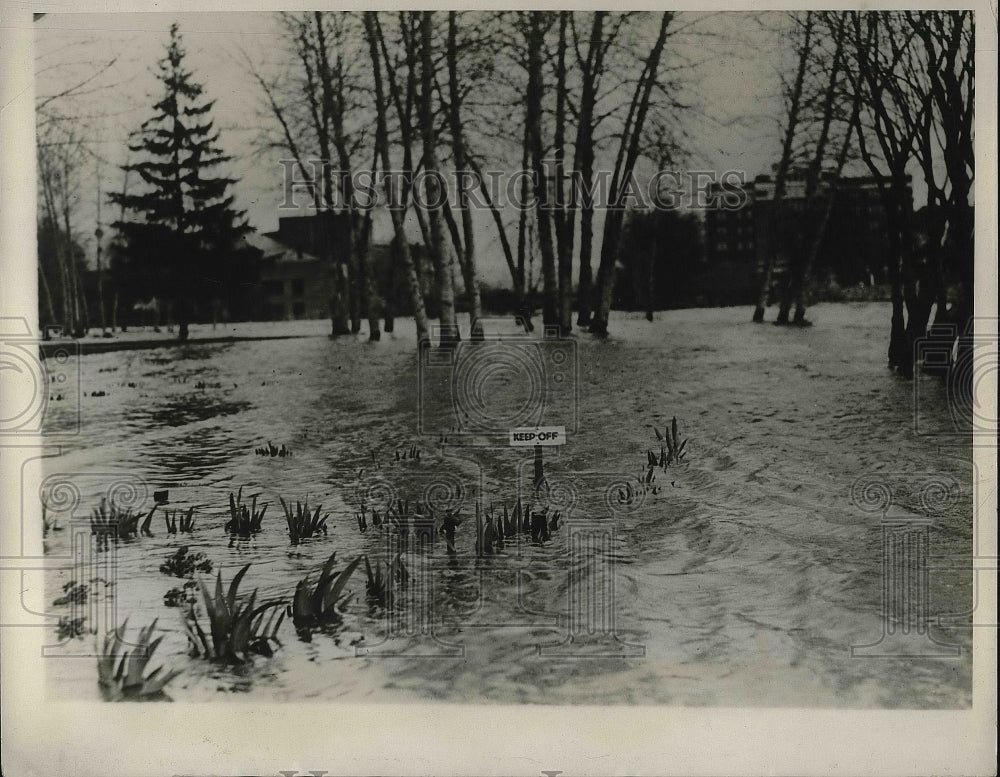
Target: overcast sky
(737, 80)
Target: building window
(721, 246)
(298, 309)
(298, 287)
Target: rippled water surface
(742, 576)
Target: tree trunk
(373, 33)
(583, 160)
(463, 173)
(533, 112)
(794, 106)
(432, 186)
(564, 222)
(628, 152)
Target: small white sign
(538, 435)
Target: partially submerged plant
(108, 521)
(48, 525)
(184, 564)
(272, 450)
(412, 453)
(672, 450)
(175, 597)
(179, 522)
(322, 605)
(238, 628)
(449, 522)
(484, 532)
(244, 521)
(70, 628)
(301, 523)
(378, 587)
(120, 674)
(76, 593)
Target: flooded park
(743, 573)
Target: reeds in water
(238, 628)
(121, 674)
(671, 451)
(110, 522)
(244, 521)
(323, 604)
(302, 523)
(408, 454)
(272, 451)
(179, 522)
(379, 586)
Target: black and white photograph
(542, 360)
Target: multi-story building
(855, 244)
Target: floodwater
(742, 575)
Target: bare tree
(628, 153)
(465, 176)
(396, 195)
(794, 107)
(832, 25)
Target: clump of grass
(244, 521)
(238, 628)
(672, 448)
(110, 522)
(121, 675)
(272, 451)
(378, 586)
(323, 604)
(75, 593)
(184, 564)
(179, 522)
(302, 523)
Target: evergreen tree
(180, 236)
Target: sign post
(538, 437)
